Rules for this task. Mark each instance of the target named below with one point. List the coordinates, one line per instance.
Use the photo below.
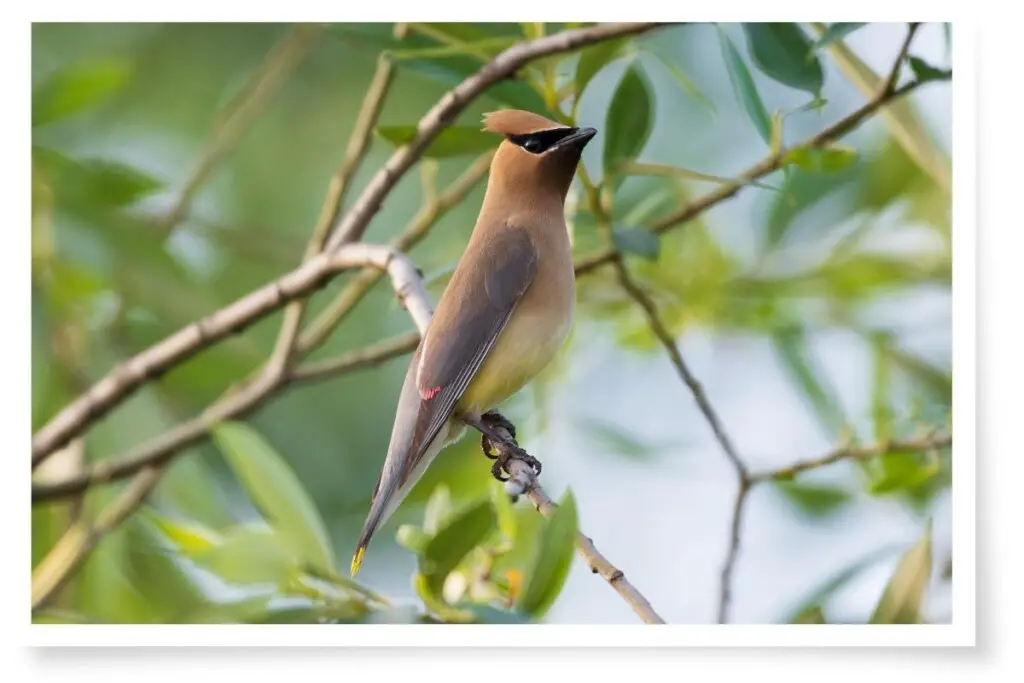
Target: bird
(504, 315)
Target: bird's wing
(491, 287)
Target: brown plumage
(505, 312)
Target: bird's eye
(533, 145)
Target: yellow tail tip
(357, 560)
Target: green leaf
(682, 80)
(800, 192)
(506, 512)
(836, 32)
(438, 510)
(904, 471)
(745, 90)
(453, 141)
(814, 500)
(790, 345)
(814, 615)
(593, 59)
(552, 561)
(783, 52)
(94, 182)
(822, 593)
(260, 609)
(412, 537)
(57, 616)
(937, 382)
(188, 537)
(117, 184)
(924, 71)
(881, 412)
(77, 87)
(821, 160)
(629, 120)
(250, 554)
(450, 71)
(277, 492)
(157, 575)
(903, 597)
(648, 206)
(454, 541)
(639, 241)
(532, 29)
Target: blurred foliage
(236, 532)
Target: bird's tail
(399, 476)
(404, 465)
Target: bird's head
(536, 153)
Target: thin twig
(523, 474)
(442, 114)
(369, 356)
(894, 73)
(852, 452)
(665, 337)
(240, 112)
(732, 548)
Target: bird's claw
(508, 452)
(501, 450)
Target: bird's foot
(497, 447)
(513, 453)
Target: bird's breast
(532, 338)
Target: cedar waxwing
(504, 315)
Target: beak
(578, 140)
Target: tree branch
(932, 441)
(372, 355)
